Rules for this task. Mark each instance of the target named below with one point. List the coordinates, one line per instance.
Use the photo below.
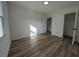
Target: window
(1, 27)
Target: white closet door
(75, 28)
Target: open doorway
(49, 20)
(69, 25)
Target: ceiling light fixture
(45, 3)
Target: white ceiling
(40, 7)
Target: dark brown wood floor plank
(77, 50)
(74, 51)
(40, 43)
(28, 43)
(44, 45)
(28, 47)
(59, 52)
(22, 41)
(41, 47)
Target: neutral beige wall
(5, 41)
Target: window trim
(2, 26)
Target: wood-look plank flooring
(44, 45)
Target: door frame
(51, 24)
(64, 22)
(74, 27)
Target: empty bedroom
(39, 28)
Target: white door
(75, 28)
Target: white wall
(21, 19)
(1, 9)
(4, 41)
(58, 20)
